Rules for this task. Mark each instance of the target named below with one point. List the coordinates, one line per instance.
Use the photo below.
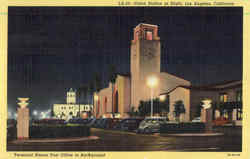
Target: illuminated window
(223, 97)
(149, 35)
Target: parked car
(151, 125)
(102, 122)
(196, 120)
(109, 123)
(117, 125)
(91, 122)
(48, 121)
(130, 124)
(78, 121)
(114, 122)
(97, 123)
(220, 121)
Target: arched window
(116, 103)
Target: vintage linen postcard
(127, 79)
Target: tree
(198, 109)
(144, 108)
(158, 107)
(179, 108)
(132, 112)
(62, 115)
(97, 82)
(91, 92)
(82, 90)
(112, 79)
(52, 114)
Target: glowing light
(162, 98)
(35, 112)
(152, 81)
(206, 103)
(23, 102)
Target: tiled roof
(211, 87)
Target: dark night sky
(52, 49)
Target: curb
(56, 140)
(194, 135)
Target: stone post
(217, 114)
(23, 119)
(234, 114)
(207, 114)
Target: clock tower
(145, 61)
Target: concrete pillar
(171, 116)
(206, 117)
(182, 117)
(203, 115)
(234, 114)
(22, 123)
(217, 114)
(207, 114)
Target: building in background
(145, 58)
(226, 99)
(129, 90)
(71, 108)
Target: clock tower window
(136, 35)
(149, 35)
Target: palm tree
(82, 90)
(79, 96)
(112, 78)
(97, 82)
(91, 91)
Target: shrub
(182, 127)
(52, 131)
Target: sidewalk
(46, 140)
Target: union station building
(145, 64)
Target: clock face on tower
(149, 52)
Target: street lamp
(96, 101)
(152, 82)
